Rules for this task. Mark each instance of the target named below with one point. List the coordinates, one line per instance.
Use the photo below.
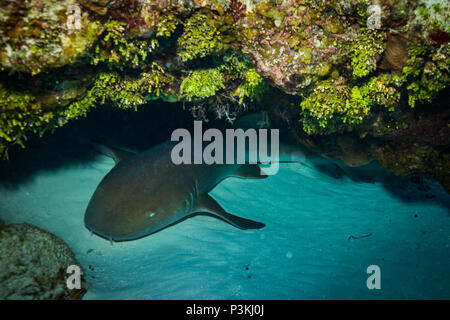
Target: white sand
(303, 252)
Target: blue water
(305, 251)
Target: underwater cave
(91, 92)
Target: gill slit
(192, 198)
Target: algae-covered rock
(98, 6)
(408, 158)
(33, 264)
(353, 152)
(37, 35)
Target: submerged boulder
(33, 264)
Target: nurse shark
(146, 192)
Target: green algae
(364, 52)
(200, 37)
(167, 24)
(115, 50)
(200, 84)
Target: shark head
(131, 201)
(126, 216)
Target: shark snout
(102, 224)
(105, 230)
(93, 224)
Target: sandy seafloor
(305, 252)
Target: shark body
(146, 192)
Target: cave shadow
(408, 189)
(417, 189)
(414, 188)
(70, 146)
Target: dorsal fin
(113, 152)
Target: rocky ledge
(373, 70)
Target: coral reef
(33, 264)
(343, 66)
(200, 37)
(37, 35)
(404, 159)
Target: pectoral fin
(205, 203)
